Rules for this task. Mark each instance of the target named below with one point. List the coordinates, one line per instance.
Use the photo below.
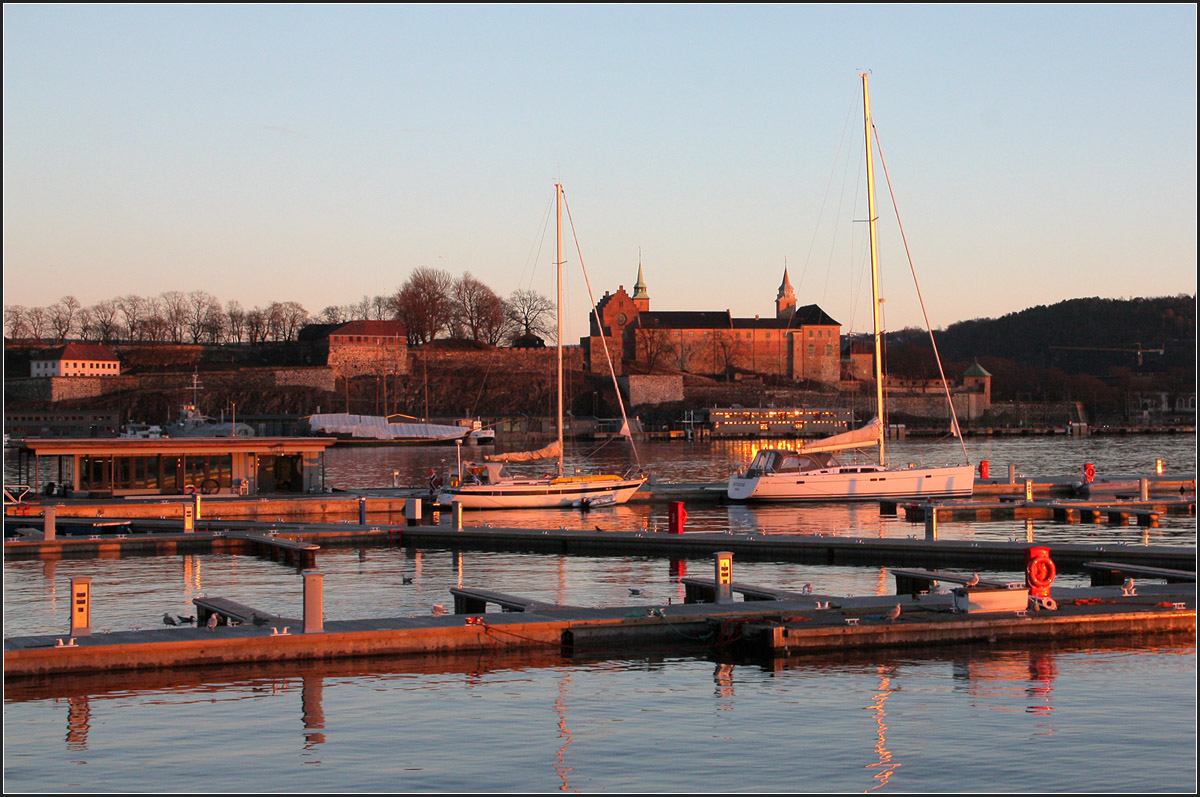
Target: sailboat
(489, 485)
(813, 471)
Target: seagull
(806, 589)
(438, 610)
(406, 579)
(258, 620)
(212, 621)
(1128, 584)
(894, 614)
(187, 620)
(169, 620)
(973, 581)
(635, 592)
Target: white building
(77, 359)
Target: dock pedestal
(81, 606)
(48, 524)
(314, 602)
(723, 564)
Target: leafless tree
(15, 326)
(235, 320)
(478, 311)
(532, 313)
(423, 304)
(106, 316)
(333, 314)
(726, 351)
(256, 326)
(201, 308)
(657, 347)
(62, 316)
(133, 309)
(174, 306)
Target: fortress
(799, 343)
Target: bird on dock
(169, 620)
(973, 581)
(894, 614)
(187, 620)
(438, 610)
(806, 589)
(634, 591)
(405, 579)
(258, 619)
(212, 621)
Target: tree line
(430, 304)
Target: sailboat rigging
(812, 472)
(488, 484)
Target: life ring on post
(210, 486)
(1039, 572)
(1089, 472)
(189, 489)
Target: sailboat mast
(871, 218)
(558, 267)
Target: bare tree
(532, 313)
(85, 324)
(333, 314)
(106, 315)
(478, 311)
(235, 320)
(133, 309)
(256, 326)
(62, 316)
(15, 326)
(423, 304)
(174, 307)
(657, 347)
(201, 308)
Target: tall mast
(874, 267)
(558, 267)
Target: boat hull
(541, 494)
(865, 485)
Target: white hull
(541, 493)
(851, 483)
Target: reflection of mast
(564, 733)
(885, 765)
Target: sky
(320, 153)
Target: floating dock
(773, 625)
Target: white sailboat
(489, 485)
(813, 472)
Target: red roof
(84, 351)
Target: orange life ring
(189, 489)
(1089, 471)
(1040, 573)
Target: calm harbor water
(1119, 715)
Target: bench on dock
(1114, 573)
(704, 590)
(909, 582)
(475, 601)
(227, 610)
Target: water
(1118, 715)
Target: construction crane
(1139, 350)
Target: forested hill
(1077, 335)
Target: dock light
(1158, 466)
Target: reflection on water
(535, 721)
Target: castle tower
(785, 301)
(641, 299)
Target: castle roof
(82, 351)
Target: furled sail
(867, 435)
(547, 452)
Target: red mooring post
(676, 517)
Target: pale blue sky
(320, 153)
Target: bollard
(314, 602)
(1029, 489)
(412, 511)
(395, 478)
(723, 563)
(1143, 489)
(676, 517)
(196, 505)
(81, 606)
(984, 468)
(48, 524)
(189, 518)
(362, 510)
(456, 515)
(1012, 474)
(930, 522)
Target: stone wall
(643, 390)
(511, 360)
